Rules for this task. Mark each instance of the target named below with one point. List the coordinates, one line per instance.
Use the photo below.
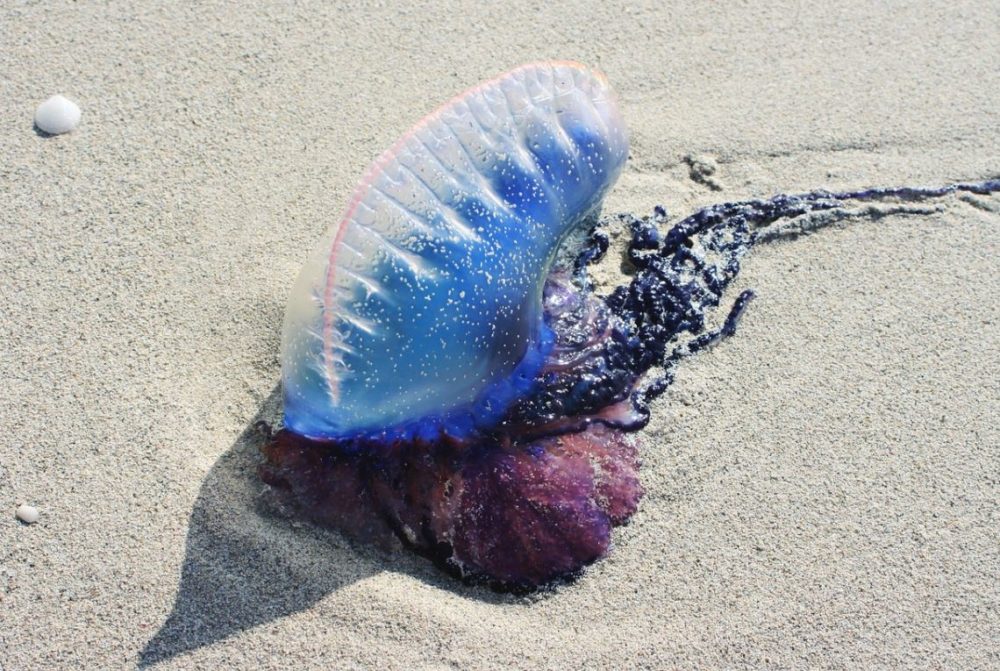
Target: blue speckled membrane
(420, 311)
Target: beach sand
(823, 489)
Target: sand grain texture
(822, 488)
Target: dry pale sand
(822, 488)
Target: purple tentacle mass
(535, 498)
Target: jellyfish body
(446, 388)
(420, 312)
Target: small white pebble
(57, 115)
(27, 514)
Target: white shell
(57, 115)
(27, 514)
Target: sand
(822, 489)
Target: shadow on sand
(248, 561)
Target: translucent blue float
(420, 311)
